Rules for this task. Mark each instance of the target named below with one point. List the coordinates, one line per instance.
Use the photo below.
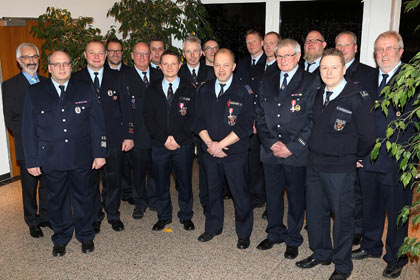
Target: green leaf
(389, 132)
(388, 146)
(375, 151)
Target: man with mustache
(314, 45)
(35, 214)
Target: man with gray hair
(35, 214)
(284, 122)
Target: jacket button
(66, 140)
(279, 135)
(65, 130)
(278, 125)
(64, 120)
(279, 104)
(42, 112)
(62, 110)
(278, 115)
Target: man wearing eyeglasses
(13, 91)
(209, 49)
(382, 191)
(139, 78)
(64, 139)
(111, 91)
(314, 45)
(114, 55)
(284, 122)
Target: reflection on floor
(139, 253)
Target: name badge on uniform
(77, 110)
(182, 109)
(339, 124)
(231, 118)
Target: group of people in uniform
(278, 121)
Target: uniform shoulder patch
(364, 93)
(249, 89)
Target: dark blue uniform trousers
(180, 161)
(236, 176)
(70, 204)
(256, 173)
(139, 159)
(276, 177)
(29, 191)
(127, 180)
(358, 216)
(331, 194)
(111, 181)
(382, 192)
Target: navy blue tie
(383, 83)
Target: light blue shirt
(31, 79)
(225, 88)
(348, 64)
(257, 58)
(141, 73)
(57, 88)
(118, 68)
(313, 66)
(100, 75)
(165, 85)
(154, 65)
(390, 74)
(336, 91)
(290, 75)
(196, 69)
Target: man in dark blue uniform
(139, 78)
(111, 91)
(168, 115)
(250, 70)
(342, 133)
(382, 191)
(64, 139)
(224, 122)
(35, 214)
(284, 122)
(157, 47)
(363, 76)
(210, 47)
(271, 39)
(314, 45)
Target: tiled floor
(139, 253)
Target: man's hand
(359, 163)
(254, 128)
(171, 144)
(216, 149)
(98, 163)
(280, 150)
(127, 145)
(34, 171)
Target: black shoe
(35, 231)
(88, 247)
(188, 225)
(204, 209)
(45, 224)
(310, 262)
(207, 236)
(151, 208)
(338, 275)
(97, 227)
(117, 225)
(130, 200)
(227, 196)
(267, 244)
(138, 213)
(357, 238)
(243, 243)
(291, 252)
(59, 250)
(360, 254)
(264, 215)
(392, 271)
(161, 224)
(258, 205)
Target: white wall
(4, 146)
(32, 9)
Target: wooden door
(10, 38)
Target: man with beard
(27, 55)
(314, 45)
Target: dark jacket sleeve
(199, 123)
(12, 116)
(126, 110)
(150, 119)
(97, 126)
(30, 142)
(365, 125)
(243, 128)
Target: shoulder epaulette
(364, 93)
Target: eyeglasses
(211, 49)
(388, 49)
(61, 64)
(27, 57)
(115, 51)
(286, 56)
(313, 41)
(141, 53)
